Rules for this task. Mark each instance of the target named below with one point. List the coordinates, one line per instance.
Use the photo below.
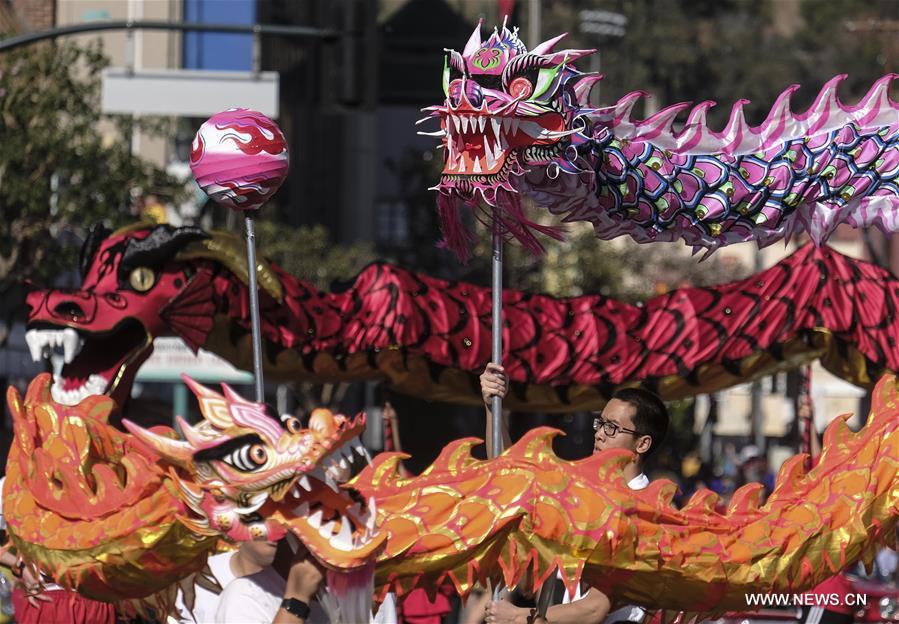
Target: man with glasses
(633, 419)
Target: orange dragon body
(120, 516)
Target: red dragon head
(137, 285)
(106, 328)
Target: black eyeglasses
(610, 428)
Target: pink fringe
(508, 213)
(456, 237)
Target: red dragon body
(431, 338)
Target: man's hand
(304, 577)
(34, 588)
(504, 612)
(493, 383)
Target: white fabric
(387, 612)
(887, 561)
(627, 613)
(640, 482)
(206, 602)
(255, 599)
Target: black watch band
(296, 608)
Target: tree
(309, 254)
(58, 172)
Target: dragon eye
(520, 87)
(293, 424)
(258, 454)
(247, 458)
(142, 279)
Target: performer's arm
(28, 578)
(495, 383)
(807, 418)
(392, 429)
(591, 609)
(302, 584)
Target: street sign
(188, 93)
(171, 358)
(597, 22)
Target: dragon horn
(584, 85)
(548, 45)
(176, 451)
(199, 389)
(193, 437)
(234, 397)
(474, 42)
(567, 56)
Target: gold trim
(230, 250)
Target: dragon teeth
(482, 121)
(95, 384)
(35, 346)
(302, 510)
(315, 520)
(42, 342)
(71, 344)
(495, 124)
(344, 539)
(304, 483)
(327, 529)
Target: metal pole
(756, 400)
(496, 412)
(535, 25)
(254, 309)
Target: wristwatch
(296, 608)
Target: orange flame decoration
(99, 513)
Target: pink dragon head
(506, 108)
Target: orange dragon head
(247, 474)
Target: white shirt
(627, 613)
(255, 599)
(206, 602)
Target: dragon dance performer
(634, 419)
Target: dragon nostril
(69, 309)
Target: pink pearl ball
(239, 158)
